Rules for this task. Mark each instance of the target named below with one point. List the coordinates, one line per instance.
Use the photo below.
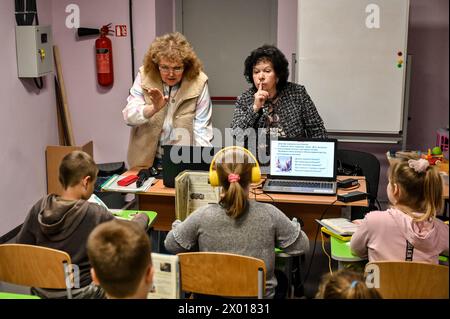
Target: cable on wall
(130, 6)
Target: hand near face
(260, 98)
(158, 99)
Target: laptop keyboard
(316, 185)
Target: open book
(339, 226)
(193, 191)
(166, 277)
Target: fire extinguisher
(104, 58)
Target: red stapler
(127, 180)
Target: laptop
(302, 166)
(178, 158)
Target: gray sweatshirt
(255, 233)
(65, 225)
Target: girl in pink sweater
(408, 230)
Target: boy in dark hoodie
(65, 222)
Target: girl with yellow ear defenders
(238, 225)
(235, 168)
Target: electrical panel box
(34, 47)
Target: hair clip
(419, 165)
(353, 284)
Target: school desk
(340, 251)
(307, 207)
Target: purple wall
(29, 122)
(428, 43)
(96, 111)
(27, 125)
(144, 19)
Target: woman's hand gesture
(158, 99)
(260, 98)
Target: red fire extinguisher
(104, 58)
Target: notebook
(302, 166)
(339, 226)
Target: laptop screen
(304, 159)
(177, 158)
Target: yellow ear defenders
(214, 177)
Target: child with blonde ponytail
(409, 230)
(238, 225)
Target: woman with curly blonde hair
(169, 102)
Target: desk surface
(340, 250)
(307, 207)
(159, 189)
(128, 214)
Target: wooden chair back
(34, 266)
(409, 280)
(222, 274)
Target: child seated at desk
(236, 224)
(409, 230)
(65, 222)
(120, 255)
(345, 284)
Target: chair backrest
(409, 280)
(35, 266)
(222, 274)
(370, 167)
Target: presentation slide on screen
(302, 158)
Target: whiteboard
(350, 70)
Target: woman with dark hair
(281, 108)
